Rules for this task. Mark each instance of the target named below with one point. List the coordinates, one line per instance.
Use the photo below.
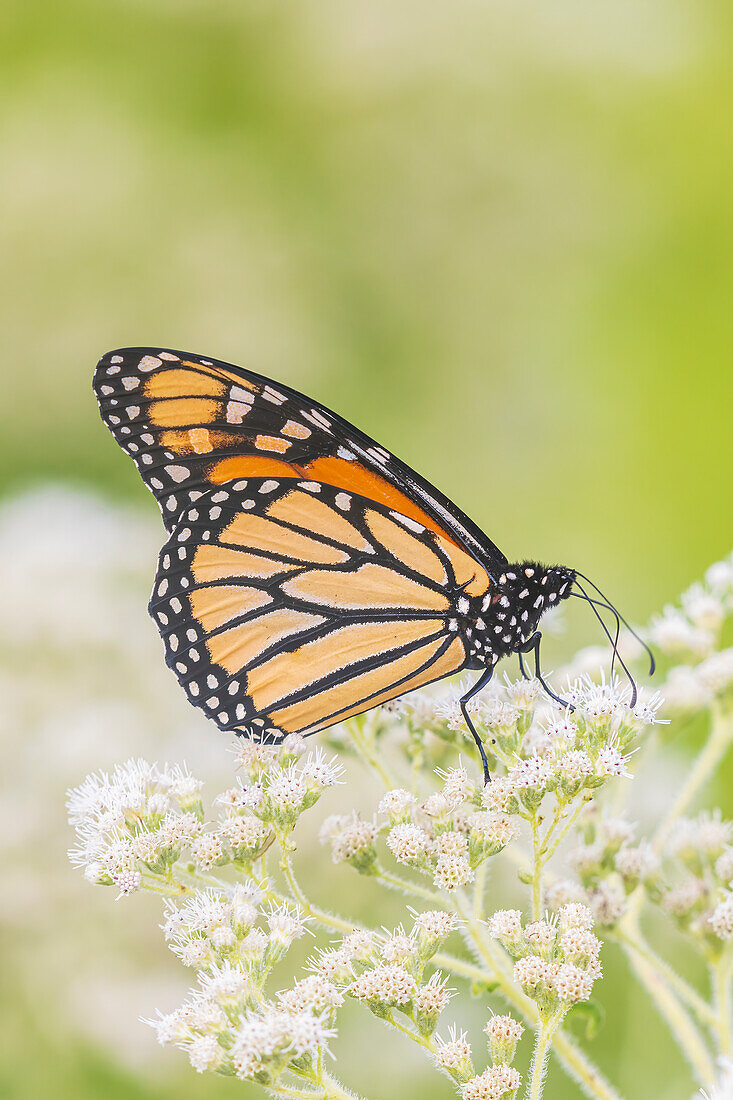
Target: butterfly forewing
(192, 424)
(287, 605)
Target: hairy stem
(478, 890)
(536, 869)
(364, 743)
(543, 1044)
(328, 920)
(292, 1093)
(549, 851)
(396, 882)
(334, 1090)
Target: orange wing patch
(259, 533)
(467, 570)
(174, 383)
(339, 472)
(236, 648)
(179, 411)
(311, 514)
(294, 671)
(229, 469)
(405, 547)
(271, 443)
(217, 563)
(214, 606)
(354, 477)
(337, 703)
(369, 586)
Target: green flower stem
(721, 973)
(328, 920)
(543, 1045)
(291, 1093)
(334, 1090)
(536, 869)
(549, 849)
(396, 882)
(635, 943)
(364, 743)
(679, 1022)
(421, 1040)
(168, 888)
(581, 1069)
(544, 848)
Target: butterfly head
(522, 595)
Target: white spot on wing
(272, 395)
(238, 393)
(148, 363)
(177, 473)
(407, 522)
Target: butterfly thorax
(510, 611)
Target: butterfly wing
(191, 424)
(286, 605)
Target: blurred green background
(498, 236)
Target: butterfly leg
(522, 669)
(533, 645)
(480, 683)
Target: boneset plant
(553, 814)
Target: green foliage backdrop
(498, 236)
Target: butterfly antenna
(606, 631)
(606, 607)
(652, 662)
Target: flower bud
(503, 1032)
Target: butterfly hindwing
(287, 605)
(192, 424)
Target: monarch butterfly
(309, 575)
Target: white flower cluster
(609, 868)
(220, 924)
(442, 835)
(132, 822)
(699, 855)
(691, 631)
(565, 753)
(226, 1026)
(500, 1080)
(689, 635)
(388, 971)
(557, 959)
(137, 822)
